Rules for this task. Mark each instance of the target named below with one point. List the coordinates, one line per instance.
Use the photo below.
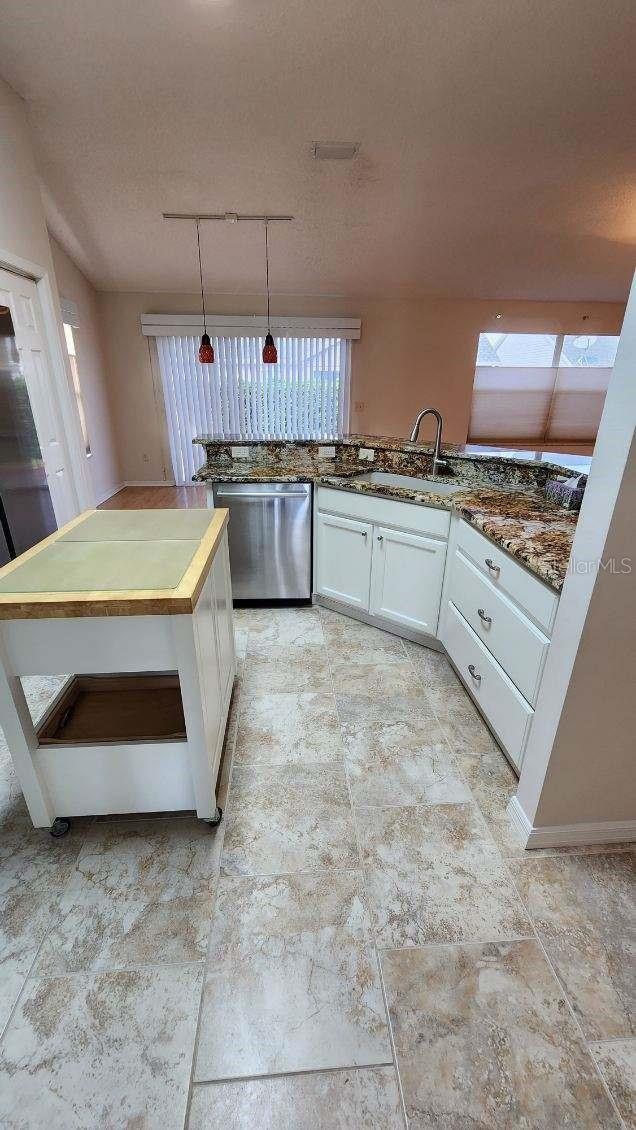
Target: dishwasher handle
(262, 494)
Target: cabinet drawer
(498, 699)
(514, 641)
(538, 600)
(385, 511)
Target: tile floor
(362, 943)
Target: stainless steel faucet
(438, 462)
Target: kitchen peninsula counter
(503, 498)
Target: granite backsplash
(398, 456)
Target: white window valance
(248, 325)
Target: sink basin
(387, 479)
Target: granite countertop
(516, 517)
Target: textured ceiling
(497, 141)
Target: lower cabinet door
(406, 578)
(343, 559)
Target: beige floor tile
(369, 707)
(492, 783)
(396, 754)
(279, 667)
(484, 1038)
(286, 727)
(292, 982)
(284, 627)
(583, 907)
(34, 872)
(373, 672)
(288, 818)
(617, 1062)
(432, 667)
(101, 1050)
(433, 874)
(40, 690)
(343, 632)
(13, 810)
(362, 1099)
(141, 894)
(465, 729)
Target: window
(304, 396)
(540, 388)
(77, 388)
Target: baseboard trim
(570, 835)
(109, 494)
(152, 483)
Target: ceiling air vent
(335, 150)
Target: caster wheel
(214, 823)
(59, 827)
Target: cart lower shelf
(114, 709)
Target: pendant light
(206, 352)
(270, 353)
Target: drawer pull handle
(484, 617)
(496, 569)
(364, 533)
(475, 674)
(380, 537)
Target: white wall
(580, 765)
(103, 464)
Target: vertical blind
(304, 396)
(540, 388)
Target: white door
(21, 296)
(343, 559)
(406, 579)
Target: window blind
(540, 388)
(304, 396)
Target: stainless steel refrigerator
(26, 510)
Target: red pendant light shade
(270, 352)
(206, 352)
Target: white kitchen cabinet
(343, 559)
(406, 578)
(391, 573)
(506, 710)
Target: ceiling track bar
(227, 217)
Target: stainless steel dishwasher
(270, 539)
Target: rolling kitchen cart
(137, 604)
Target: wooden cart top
(115, 563)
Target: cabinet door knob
(380, 537)
(496, 569)
(364, 533)
(473, 671)
(483, 616)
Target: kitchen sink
(387, 479)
